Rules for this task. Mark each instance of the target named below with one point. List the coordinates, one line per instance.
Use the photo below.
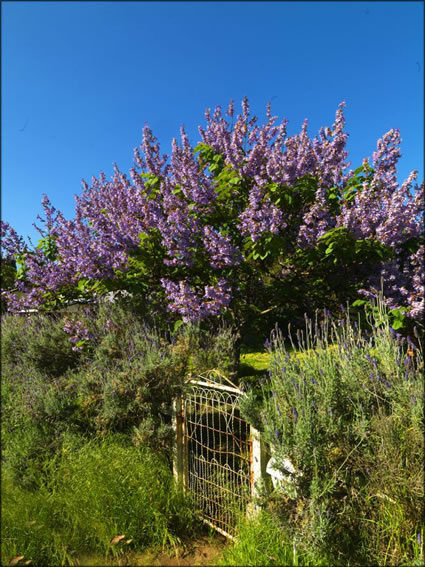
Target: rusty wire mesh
(218, 456)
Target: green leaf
(177, 325)
(201, 146)
(359, 302)
(329, 248)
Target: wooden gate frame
(258, 454)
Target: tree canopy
(248, 223)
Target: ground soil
(203, 551)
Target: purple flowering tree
(250, 223)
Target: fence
(219, 456)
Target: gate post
(178, 454)
(258, 469)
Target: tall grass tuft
(91, 493)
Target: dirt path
(200, 552)
(203, 551)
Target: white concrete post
(258, 468)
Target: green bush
(38, 342)
(77, 426)
(209, 349)
(347, 410)
(123, 379)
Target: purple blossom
(78, 332)
(260, 216)
(221, 251)
(175, 201)
(191, 305)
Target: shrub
(39, 342)
(122, 379)
(209, 348)
(347, 411)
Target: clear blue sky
(80, 79)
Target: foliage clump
(120, 378)
(250, 223)
(346, 408)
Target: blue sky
(80, 79)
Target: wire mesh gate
(217, 457)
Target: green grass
(262, 541)
(92, 493)
(254, 363)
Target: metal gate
(217, 452)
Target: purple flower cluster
(266, 153)
(78, 333)
(260, 216)
(11, 243)
(186, 301)
(179, 229)
(177, 198)
(195, 185)
(220, 249)
(315, 222)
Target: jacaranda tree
(250, 223)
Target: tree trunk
(234, 369)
